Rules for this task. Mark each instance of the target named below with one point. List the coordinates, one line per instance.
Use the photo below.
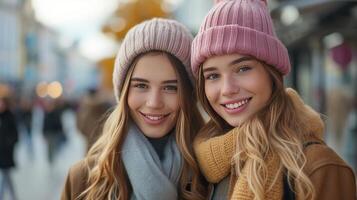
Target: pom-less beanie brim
(239, 27)
(230, 39)
(156, 34)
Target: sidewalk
(34, 178)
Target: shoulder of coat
(320, 155)
(80, 170)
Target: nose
(230, 86)
(154, 100)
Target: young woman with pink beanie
(262, 140)
(145, 151)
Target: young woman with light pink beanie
(145, 151)
(262, 141)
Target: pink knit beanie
(156, 34)
(239, 26)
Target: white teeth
(154, 118)
(236, 105)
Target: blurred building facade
(11, 48)
(31, 53)
(322, 43)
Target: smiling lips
(236, 106)
(154, 119)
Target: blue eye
(244, 69)
(140, 86)
(170, 88)
(211, 76)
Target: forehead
(154, 67)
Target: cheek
(262, 86)
(266, 84)
(134, 100)
(268, 92)
(173, 102)
(212, 92)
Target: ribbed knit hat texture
(156, 34)
(239, 26)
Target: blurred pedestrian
(145, 150)
(91, 116)
(263, 141)
(350, 139)
(339, 106)
(8, 139)
(24, 112)
(53, 128)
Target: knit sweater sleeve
(214, 155)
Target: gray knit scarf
(150, 178)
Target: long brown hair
(279, 127)
(107, 177)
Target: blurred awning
(297, 19)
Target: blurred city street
(56, 75)
(34, 177)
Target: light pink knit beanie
(239, 26)
(156, 34)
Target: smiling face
(236, 86)
(153, 97)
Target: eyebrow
(170, 81)
(146, 81)
(239, 60)
(139, 80)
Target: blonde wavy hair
(107, 178)
(279, 127)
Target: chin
(155, 133)
(235, 122)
